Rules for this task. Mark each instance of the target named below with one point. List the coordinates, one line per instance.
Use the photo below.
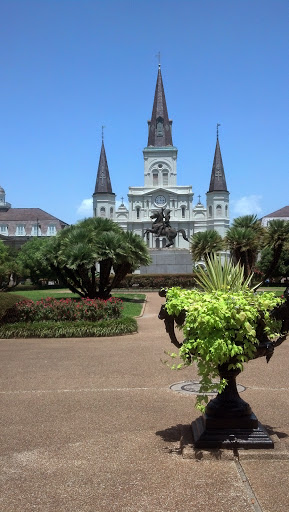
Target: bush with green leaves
(220, 327)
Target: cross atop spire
(160, 126)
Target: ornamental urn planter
(228, 421)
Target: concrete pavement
(91, 425)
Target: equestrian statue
(161, 227)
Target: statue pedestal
(169, 261)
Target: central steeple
(160, 134)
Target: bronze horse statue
(161, 227)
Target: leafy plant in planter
(220, 327)
(223, 322)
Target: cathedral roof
(103, 183)
(218, 180)
(160, 126)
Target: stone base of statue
(169, 261)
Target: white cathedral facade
(160, 189)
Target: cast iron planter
(229, 421)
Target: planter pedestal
(228, 421)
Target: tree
(244, 240)
(31, 257)
(276, 238)
(86, 254)
(205, 243)
(10, 270)
(265, 261)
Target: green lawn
(132, 302)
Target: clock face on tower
(160, 200)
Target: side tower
(103, 196)
(218, 195)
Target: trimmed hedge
(81, 329)
(157, 281)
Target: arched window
(165, 179)
(157, 243)
(219, 210)
(210, 211)
(137, 212)
(111, 212)
(160, 126)
(183, 212)
(102, 211)
(155, 179)
(164, 242)
(226, 210)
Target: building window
(183, 212)
(226, 210)
(210, 211)
(160, 126)
(137, 212)
(165, 179)
(164, 242)
(111, 213)
(155, 179)
(157, 243)
(102, 211)
(3, 229)
(219, 210)
(20, 230)
(36, 230)
(51, 230)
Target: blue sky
(70, 66)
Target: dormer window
(51, 230)
(20, 230)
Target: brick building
(17, 225)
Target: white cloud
(85, 208)
(247, 205)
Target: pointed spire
(103, 184)
(218, 180)
(160, 126)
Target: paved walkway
(91, 425)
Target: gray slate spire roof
(218, 180)
(160, 134)
(103, 183)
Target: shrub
(158, 281)
(81, 329)
(7, 301)
(62, 310)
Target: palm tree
(244, 240)
(205, 243)
(276, 238)
(75, 252)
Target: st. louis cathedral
(160, 190)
